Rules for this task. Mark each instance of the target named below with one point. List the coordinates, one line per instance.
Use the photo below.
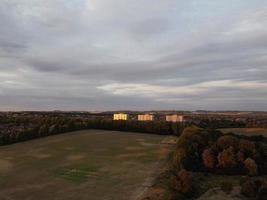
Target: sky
(133, 54)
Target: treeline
(23, 129)
(155, 127)
(221, 123)
(26, 128)
(211, 151)
(207, 151)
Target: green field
(84, 165)
(246, 131)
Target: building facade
(174, 118)
(145, 117)
(120, 116)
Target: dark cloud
(148, 28)
(127, 54)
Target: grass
(78, 174)
(82, 165)
(246, 131)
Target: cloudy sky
(133, 54)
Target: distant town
(148, 117)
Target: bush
(182, 182)
(262, 194)
(249, 189)
(227, 187)
(254, 187)
(251, 167)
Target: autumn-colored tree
(209, 159)
(247, 147)
(193, 140)
(227, 158)
(227, 141)
(183, 181)
(251, 167)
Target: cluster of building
(149, 117)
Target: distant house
(174, 118)
(146, 117)
(120, 116)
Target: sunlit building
(120, 116)
(145, 117)
(174, 118)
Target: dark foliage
(182, 182)
(22, 128)
(254, 188)
(209, 150)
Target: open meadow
(246, 131)
(91, 164)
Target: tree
(251, 167)
(209, 159)
(247, 147)
(240, 156)
(192, 142)
(227, 141)
(178, 157)
(227, 159)
(183, 181)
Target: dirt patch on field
(100, 149)
(75, 157)
(134, 148)
(147, 144)
(5, 166)
(171, 140)
(140, 140)
(163, 152)
(156, 193)
(68, 148)
(123, 156)
(41, 156)
(38, 153)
